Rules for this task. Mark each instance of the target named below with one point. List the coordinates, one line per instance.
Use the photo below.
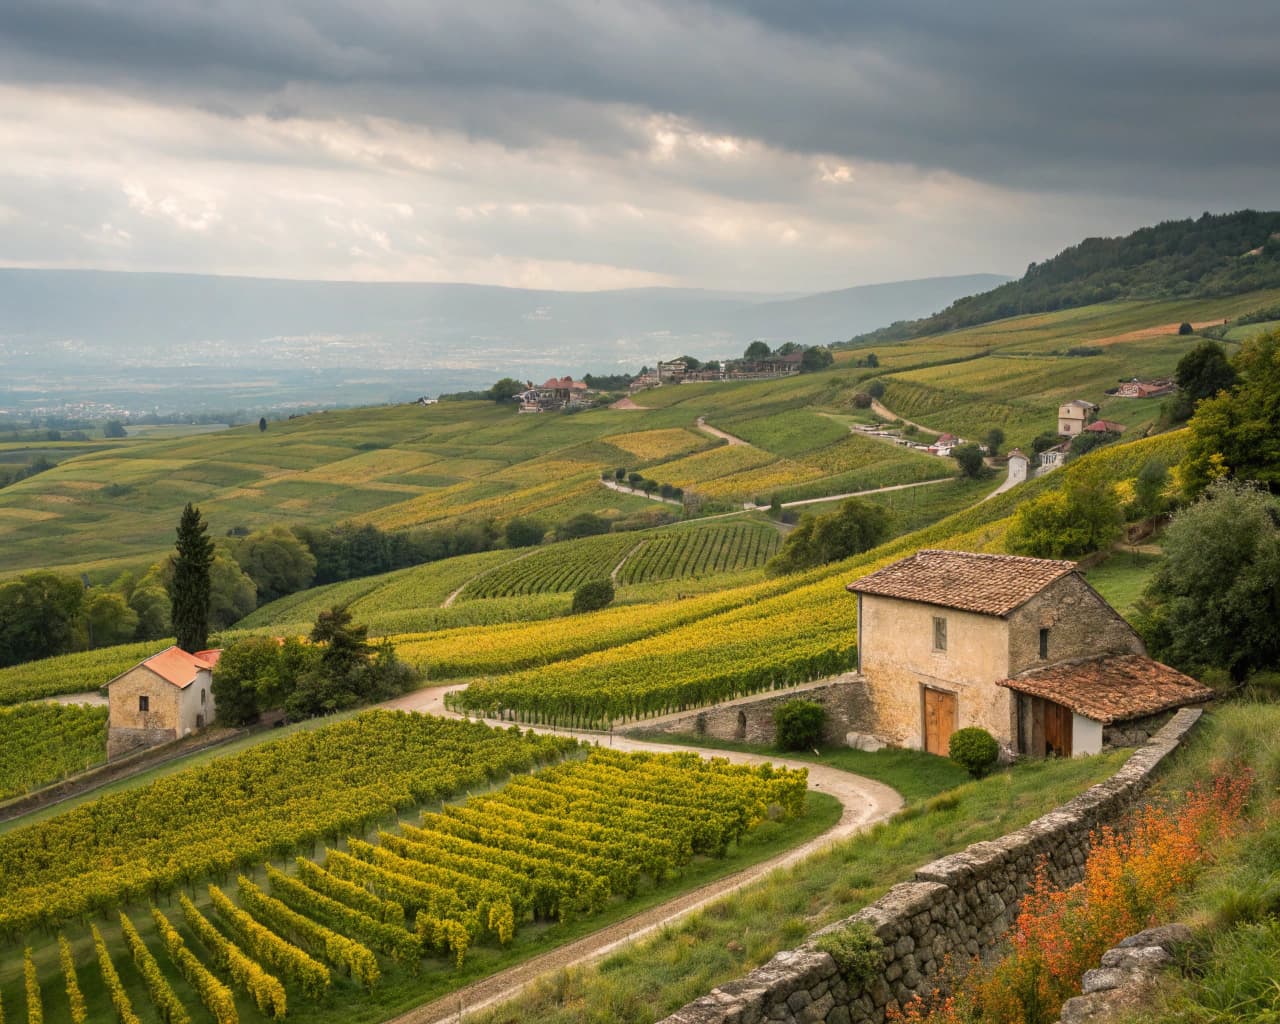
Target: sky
(785, 146)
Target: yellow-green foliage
(806, 631)
(75, 998)
(119, 998)
(270, 948)
(558, 568)
(238, 809)
(41, 743)
(216, 997)
(72, 673)
(347, 954)
(163, 997)
(264, 989)
(35, 1007)
(647, 445)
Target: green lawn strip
(400, 988)
(1122, 578)
(682, 962)
(913, 773)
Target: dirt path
(628, 405)
(448, 601)
(859, 494)
(92, 697)
(623, 561)
(702, 425)
(880, 409)
(865, 802)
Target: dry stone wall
(751, 719)
(959, 906)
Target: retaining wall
(751, 719)
(960, 905)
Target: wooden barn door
(1057, 729)
(939, 720)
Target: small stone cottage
(1022, 647)
(160, 700)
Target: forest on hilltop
(1205, 258)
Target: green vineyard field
(701, 551)
(559, 568)
(41, 743)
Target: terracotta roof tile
(177, 666)
(986, 584)
(1112, 689)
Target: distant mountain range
(158, 342)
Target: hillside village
(930, 677)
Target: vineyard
(71, 673)
(563, 844)
(240, 810)
(701, 551)
(560, 568)
(41, 743)
(454, 653)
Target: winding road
(865, 802)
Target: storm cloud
(581, 143)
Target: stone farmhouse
(1074, 416)
(1021, 647)
(160, 700)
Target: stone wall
(122, 741)
(751, 718)
(960, 905)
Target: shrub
(620, 473)
(969, 458)
(1185, 328)
(592, 596)
(857, 951)
(974, 749)
(798, 724)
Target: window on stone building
(1044, 643)
(939, 633)
(144, 703)
(203, 694)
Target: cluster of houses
(556, 394)
(678, 371)
(1075, 418)
(941, 445)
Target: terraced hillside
(400, 468)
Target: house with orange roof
(159, 700)
(1021, 647)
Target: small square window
(1044, 643)
(144, 703)
(939, 633)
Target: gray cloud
(998, 130)
(1023, 94)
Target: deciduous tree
(1215, 601)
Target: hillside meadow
(107, 507)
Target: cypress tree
(190, 588)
